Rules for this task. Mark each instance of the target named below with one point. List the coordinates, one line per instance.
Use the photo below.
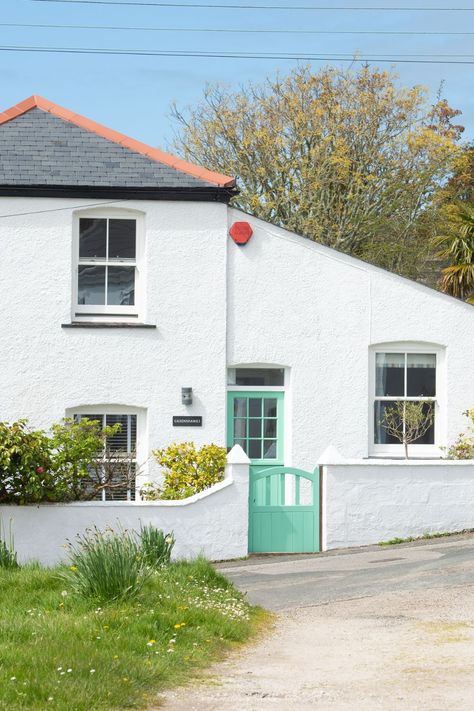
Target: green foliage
(457, 248)
(8, 557)
(463, 447)
(407, 421)
(106, 565)
(26, 471)
(117, 653)
(60, 466)
(155, 546)
(187, 470)
(346, 157)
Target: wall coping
(374, 462)
(228, 481)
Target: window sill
(106, 324)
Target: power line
(259, 7)
(242, 55)
(59, 209)
(226, 30)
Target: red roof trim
(222, 181)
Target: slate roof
(42, 144)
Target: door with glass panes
(255, 421)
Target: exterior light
(187, 396)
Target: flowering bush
(463, 447)
(187, 470)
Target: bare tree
(407, 421)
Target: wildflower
(92, 671)
(116, 656)
(169, 540)
(59, 669)
(73, 568)
(69, 671)
(151, 642)
(64, 593)
(50, 698)
(13, 678)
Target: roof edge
(35, 101)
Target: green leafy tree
(347, 158)
(457, 249)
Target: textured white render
(214, 522)
(46, 370)
(285, 301)
(317, 312)
(370, 502)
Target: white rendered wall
(46, 370)
(295, 303)
(370, 502)
(214, 522)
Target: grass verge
(62, 652)
(424, 537)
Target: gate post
(238, 469)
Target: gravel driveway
(376, 628)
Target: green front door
(283, 502)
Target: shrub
(26, 474)
(187, 470)
(463, 447)
(8, 557)
(155, 546)
(60, 466)
(106, 565)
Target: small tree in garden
(463, 447)
(73, 462)
(85, 461)
(187, 470)
(407, 421)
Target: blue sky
(133, 94)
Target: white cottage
(133, 292)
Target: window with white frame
(117, 463)
(107, 266)
(404, 376)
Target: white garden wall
(214, 522)
(371, 501)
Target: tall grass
(155, 546)
(106, 565)
(8, 556)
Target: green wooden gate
(284, 511)
(283, 501)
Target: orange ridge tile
(35, 101)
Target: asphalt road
(283, 582)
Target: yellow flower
(73, 568)
(151, 642)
